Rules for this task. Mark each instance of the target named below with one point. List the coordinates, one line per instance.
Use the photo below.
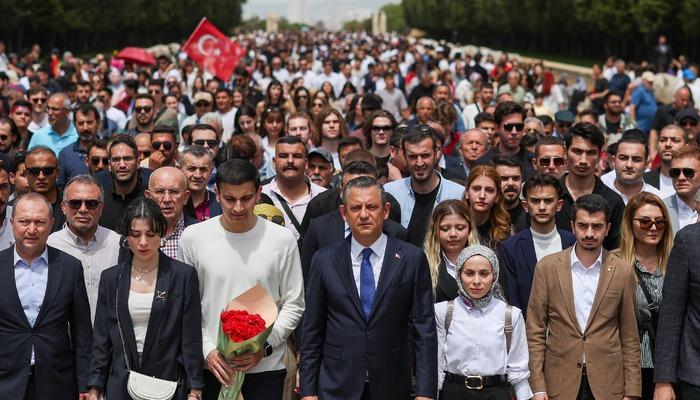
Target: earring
(162, 242)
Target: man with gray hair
(533, 127)
(60, 132)
(513, 87)
(96, 247)
(197, 164)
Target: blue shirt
(71, 161)
(645, 107)
(47, 137)
(31, 280)
(619, 83)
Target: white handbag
(140, 386)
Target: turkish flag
(213, 50)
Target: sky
(332, 12)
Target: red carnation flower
(240, 325)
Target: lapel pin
(160, 295)
(609, 268)
(397, 256)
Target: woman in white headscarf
(482, 348)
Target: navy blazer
(341, 349)
(454, 169)
(173, 345)
(61, 336)
(330, 228)
(518, 259)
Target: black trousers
(584, 391)
(688, 391)
(30, 393)
(267, 385)
(648, 384)
(457, 391)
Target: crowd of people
(430, 224)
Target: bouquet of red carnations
(244, 327)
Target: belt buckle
(478, 386)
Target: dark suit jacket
(329, 200)
(61, 336)
(518, 259)
(446, 288)
(330, 228)
(653, 178)
(341, 349)
(214, 206)
(454, 169)
(173, 345)
(677, 352)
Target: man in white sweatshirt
(233, 252)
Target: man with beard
(83, 92)
(472, 110)
(425, 187)
(123, 182)
(472, 145)
(550, 156)
(290, 190)
(60, 132)
(511, 184)
(319, 167)
(670, 139)
(144, 112)
(42, 172)
(197, 164)
(630, 161)
(6, 237)
(72, 159)
(164, 148)
(666, 114)
(689, 120)
(96, 247)
(614, 121)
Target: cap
(687, 113)
(648, 76)
(203, 96)
(564, 116)
(688, 74)
(325, 154)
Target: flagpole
(204, 19)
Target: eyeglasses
(35, 171)
(381, 128)
(38, 100)
(517, 126)
(165, 145)
(145, 109)
(675, 173)
(95, 160)
(547, 161)
(163, 192)
(208, 142)
(117, 160)
(90, 204)
(646, 223)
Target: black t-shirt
(518, 218)
(420, 216)
(612, 127)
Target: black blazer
(341, 349)
(214, 206)
(61, 336)
(518, 259)
(173, 344)
(454, 169)
(446, 288)
(653, 178)
(330, 228)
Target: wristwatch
(268, 350)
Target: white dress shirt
(686, 215)
(585, 284)
(298, 206)
(449, 266)
(31, 280)
(376, 259)
(666, 186)
(476, 344)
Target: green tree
(394, 17)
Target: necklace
(139, 275)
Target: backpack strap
(508, 326)
(448, 316)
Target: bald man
(168, 187)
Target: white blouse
(140, 311)
(476, 344)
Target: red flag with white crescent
(213, 50)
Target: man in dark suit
(472, 145)
(363, 295)
(677, 354)
(45, 326)
(519, 254)
(330, 227)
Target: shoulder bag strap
(448, 316)
(119, 325)
(508, 326)
(289, 212)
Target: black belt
(477, 382)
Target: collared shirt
(403, 193)
(7, 238)
(449, 266)
(172, 241)
(585, 284)
(686, 215)
(298, 207)
(48, 137)
(203, 211)
(376, 259)
(666, 186)
(31, 280)
(645, 188)
(71, 161)
(100, 253)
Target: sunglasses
(89, 204)
(165, 145)
(139, 110)
(96, 160)
(38, 100)
(208, 142)
(35, 171)
(145, 154)
(381, 128)
(646, 223)
(690, 122)
(675, 173)
(517, 126)
(547, 161)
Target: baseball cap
(564, 116)
(325, 154)
(648, 76)
(203, 96)
(687, 113)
